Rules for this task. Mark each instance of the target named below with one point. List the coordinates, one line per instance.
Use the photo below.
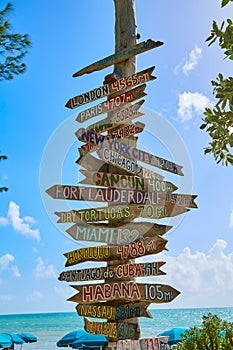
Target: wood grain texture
(133, 250)
(119, 57)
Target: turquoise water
(50, 327)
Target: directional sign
(112, 103)
(108, 253)
(119, 56)
(111, 147)
(119, 234)
(114, 272)
(123, 290)
(94, 164)
(108, 89)
(112, 330)
(121, 162)
(114, 313)
(126, 182)
(117, 212)
(122, 116)
(121, 196)
(123, 132)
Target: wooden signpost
(109, 89)
(116, 271)
(119, 56)
(130, 192)
(114, 313)
(130, 291)
(108, 253)
(112, 103)
(119, 234)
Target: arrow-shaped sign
(108, 89)
(126, 182)
(117, 212)
(119, 234)
(108, 253)
(113, 330)
(119, 56)
(114, 313)
(94, 164)
(112, 103)
(131, 291)
(112, 150)
(120, 271)
(122, 116)
(95, 140)
(120, 196)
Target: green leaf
(203, 126)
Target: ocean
(50, 327)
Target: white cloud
(21, 225)
(44, 271)
(191, 104)
(35, 296)
(6, 264)
(5, 261)
(192, 61)
(204, 279)
(64, 292)
(4, 221)
(231, 219)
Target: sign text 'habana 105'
(109, 89)
(129, 291)
(119, 234)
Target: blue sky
(68, 36)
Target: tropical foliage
(218, 121)
(214, 334)
(3, 188)
(13, 47)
